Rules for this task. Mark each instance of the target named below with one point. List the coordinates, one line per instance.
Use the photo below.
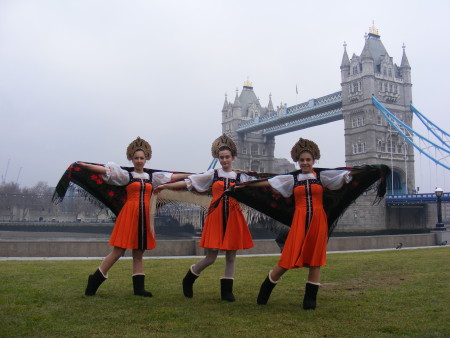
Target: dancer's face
(306, 162)
(226, 160)
(139, 160)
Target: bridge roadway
(415, 199)
(308, 114)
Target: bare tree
(10, 197)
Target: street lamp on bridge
(439, 225)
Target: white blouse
(115, 175)
(202, 182)
(331, 179)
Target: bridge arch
(396, 183)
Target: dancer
(225, 227)
(133, 228)
(306, 242)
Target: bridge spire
(405, 62)
(270, 104)
(366, 54)
(248, 84)
(405, 69)
(225, 104)
(345, 64)
(373, 31)
(237, 103)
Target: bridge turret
(270, 108)
(405, 62)
(237, 107)
(405, 68)
(225, 105)
(367, 62)
(405, 73)
(345, 64)
(345, 72)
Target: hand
(159, 188)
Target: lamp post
(439, 225)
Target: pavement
(43, 236)
(6, 236)
(64, 236)
(3, 259)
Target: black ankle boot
(94, 281)
(265, 291)
(309, 301)
(226, 289)
(188, 282)
(138, 286)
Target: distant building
(283, 166)
(255, 151)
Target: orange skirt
(132, 228)
(306, 245)
(225, 227)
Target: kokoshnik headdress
(223, 141)
(304, 145)
(139, 144)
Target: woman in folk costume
(225, 227)
(132, 229)
(306, 242)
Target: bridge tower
(255, 151)
(368, 137)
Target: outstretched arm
(252, 184)
(176, 177)
(175, 185)
(93, 167)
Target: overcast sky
(81, 79)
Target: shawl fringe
(364, 178)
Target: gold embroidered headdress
(304, 145)
(223, 141)
(139, 144)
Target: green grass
(401, 293)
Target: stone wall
(100, 248)
(362, 215)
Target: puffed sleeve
(284, 184)
(161, 177)
(335, 179)
(200, 182)
(247, 178)
(115, 175)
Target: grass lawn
(400, 293)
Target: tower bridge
(371, 85)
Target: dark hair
(307, 151)
(139, 149)
(225, 148)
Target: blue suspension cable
(213, 164)
(390, 117)
(423, 118)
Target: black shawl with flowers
(263, 200)
(114, 197)
(111, 196)
(272, 204)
